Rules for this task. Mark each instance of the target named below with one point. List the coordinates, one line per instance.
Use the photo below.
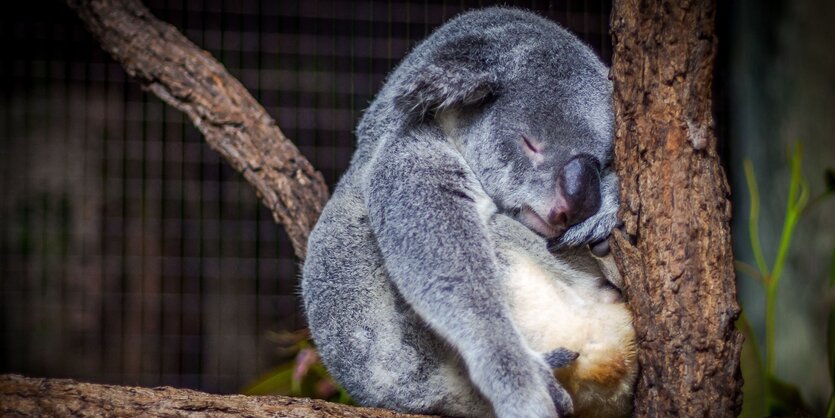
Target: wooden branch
(676, 252)
(232, 121)
(22, 396)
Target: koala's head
(528, 105)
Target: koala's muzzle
(579, 192)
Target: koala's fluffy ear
(457, 74)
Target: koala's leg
(370, 340)
(422, 197)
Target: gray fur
(402, 283)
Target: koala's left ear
(457, 74)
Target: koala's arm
(599, 226)
(422, 201)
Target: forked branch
(234, 124)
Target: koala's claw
(593, 230)
(538, 393)
(556, 359)
(560, 357)
(562, 400)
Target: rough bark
(22, 396)
(675, 251)
(232, 121)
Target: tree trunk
(232, 121)
(22, 396)
(675, 250)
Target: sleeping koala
(428, 284)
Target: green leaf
(753, 217)
(753, 375)
(276, 382)
(750, 271)
(785, 400)
(345, 398)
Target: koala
(450, 272)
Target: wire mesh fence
(129, 252)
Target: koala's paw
(560, 397)
(560, 357)
(540, 395)
(593, 230)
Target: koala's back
(510, 31)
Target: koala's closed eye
(529, 145)
(532, 150)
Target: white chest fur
(556, 307)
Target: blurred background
(131, 254)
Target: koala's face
(540, 144)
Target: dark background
(130, 253)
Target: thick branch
(22, 396)
(676, 251)
(232, 121)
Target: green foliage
(783, 399)
(752, 372)
(300, 374)
(765, 393)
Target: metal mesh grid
(129, 253)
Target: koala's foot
(539, 394)
(593, 230)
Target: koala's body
(428, 284)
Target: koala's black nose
(579, 182)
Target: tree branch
(232, 121)
(22, 396)
(676, 254)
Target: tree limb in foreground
(23, 396)
(234, 124)
(676, 254)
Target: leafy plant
(301, 374)
(779, 397)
